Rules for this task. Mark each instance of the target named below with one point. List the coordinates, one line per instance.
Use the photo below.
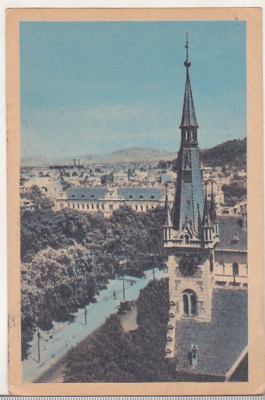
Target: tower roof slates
(188, 113)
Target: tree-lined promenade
(68, 256)
(48, 351)
(113, 355)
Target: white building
(107, 200)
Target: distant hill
(136, 154)
(231, 153)
(133, 154)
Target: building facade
(107, 200)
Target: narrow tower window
(211, 263)
(189, 303)
(185, 304)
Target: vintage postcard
(135, 201)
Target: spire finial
(187, 46)
(167, 216)
(187, 63)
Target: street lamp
(122, 263)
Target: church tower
(191, 231)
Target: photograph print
(133, 201)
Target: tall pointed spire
(167, 216)
(189, 190)
(188, 112)
(206, 220)
(199, 220)
(213, 214)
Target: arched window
(189, 303)
(187, 239)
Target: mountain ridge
(231, 152)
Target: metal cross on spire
(187, 62)
(187, 46)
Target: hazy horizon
(159, 154)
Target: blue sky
(96, 87)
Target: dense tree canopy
(230, 153)
(234, 192)
(113, 355)
(67, 257)
(34, 194)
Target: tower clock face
(188, 265)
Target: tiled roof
(188, 202)
(99, 193)
(232, 236)
(221, 341)
(142, 193)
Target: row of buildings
(107, 198)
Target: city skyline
(99, 87)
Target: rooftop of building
(221, 341)
(232, 235)
(127, 193)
